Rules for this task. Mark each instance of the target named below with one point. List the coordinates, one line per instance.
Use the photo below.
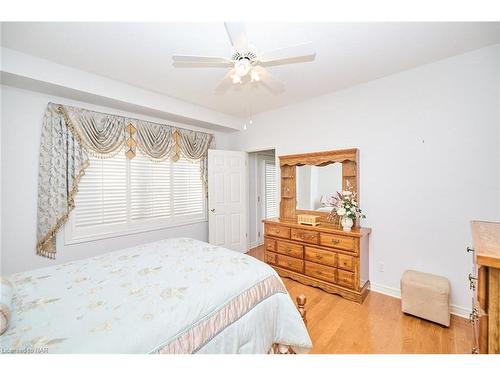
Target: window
(270, 189)
(120, 196)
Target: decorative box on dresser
(485, 282)
(321, 255)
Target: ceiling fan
(246, 63)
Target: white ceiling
(347, 54)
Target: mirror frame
(349, 158)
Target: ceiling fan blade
(182, 64)
(236, 31)
(289, 55)
(269, 81)
(199, 59)
(226, 83)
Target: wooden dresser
(485, 316)
(323, 256)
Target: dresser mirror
(315, 185)
(338, 167)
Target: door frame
(260, 188)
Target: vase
(346, 223)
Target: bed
(172, 296)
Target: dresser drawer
(271, 257)
(293, 264)
(290, 249)
(320, 272)
(270, 245)
(277, 231)
(345, 278)
(337, 241)
(305, 236)
(346, 262)
(328, 258)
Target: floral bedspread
(172, 296)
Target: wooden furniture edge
(348, 294)
(484, 256)
(291, 160)
(355, 232)
(301, 302)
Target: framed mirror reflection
(315, 186)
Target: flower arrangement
(346, 208)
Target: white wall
(1, 159)
(32, 73)
(429, 159)
(22, 113)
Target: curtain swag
(70, 135)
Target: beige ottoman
(426, 296)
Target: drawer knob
(335, 241)
(318, 256)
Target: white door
(227, 199)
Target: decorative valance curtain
(70, 135)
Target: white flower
(341, 211)
(346, 193)
(354, 203)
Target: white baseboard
(253, 245)
(396, 293)
(387, 290)
(464, 312)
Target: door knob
(212, 210)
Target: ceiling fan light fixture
(254, 76)
(236, 78)
(242, 67)
(245, 61)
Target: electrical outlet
(381, 266)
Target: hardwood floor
(377, 326)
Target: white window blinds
(150, 190)
(270, 189)
(121, 196)
(101, 197)
(187, 188)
